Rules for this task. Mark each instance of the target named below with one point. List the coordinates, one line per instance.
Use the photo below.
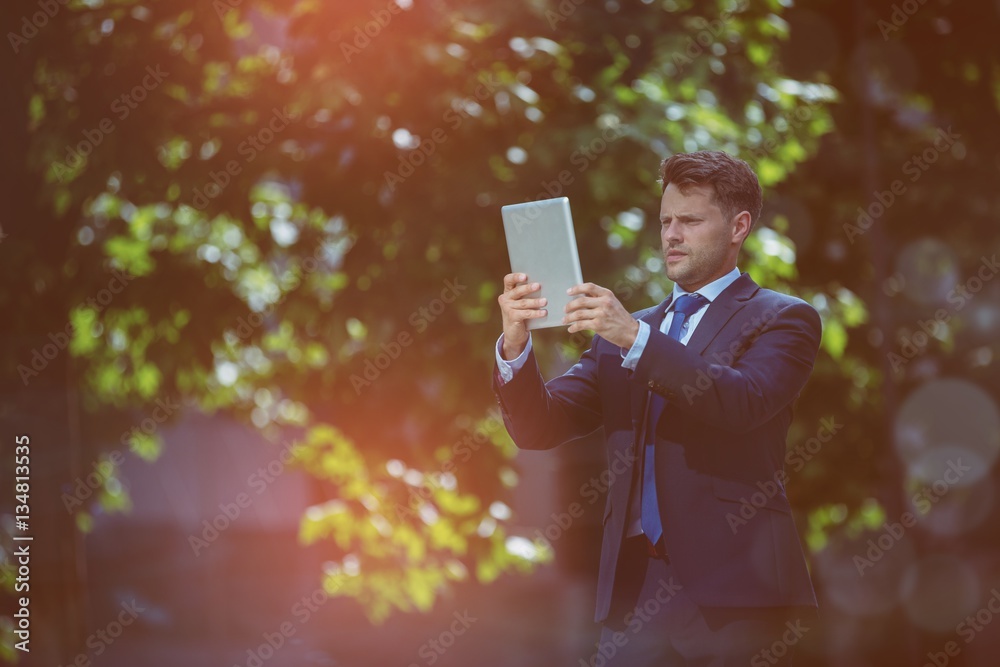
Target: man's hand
(517, 309)
(600, 311)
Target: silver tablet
(542, 245)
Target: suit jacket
(720, 440)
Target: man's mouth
(673, 255)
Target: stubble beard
(695, 268)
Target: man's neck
(698, 286)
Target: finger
(528, 304)
(511, 280)
(588, 314)
(522, 291)
(583, 325)
(582, 302)
(588, 289)
(522, 314)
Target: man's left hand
(600, 311)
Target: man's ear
(741, 227)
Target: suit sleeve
(542, 415)
(739, 395)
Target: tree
(287, 195)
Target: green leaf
(146, 446)
(834, 338)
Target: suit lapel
(726, 305)
(720, 311)
(654, 318)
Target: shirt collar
(711, 291)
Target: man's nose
(671, 234)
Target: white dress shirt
(711, 291)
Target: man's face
(697, 238)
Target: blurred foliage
(8, 576)
(290, 210)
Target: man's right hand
(517, 308)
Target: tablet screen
(542, 245)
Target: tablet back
(541, 244)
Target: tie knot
(689, 303)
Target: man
(696, 393)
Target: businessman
(697, 392)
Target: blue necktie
(687, 305)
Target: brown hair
(734, 183)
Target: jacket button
(651, 384)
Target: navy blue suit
(719, 440)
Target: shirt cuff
(508, 368)
(631, 360)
